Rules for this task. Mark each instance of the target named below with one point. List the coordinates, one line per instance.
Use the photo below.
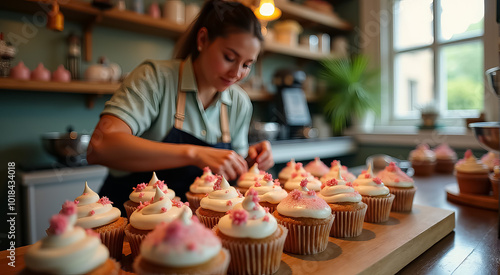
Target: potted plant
(352, 90)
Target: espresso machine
(292, 110)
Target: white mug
(174, 11)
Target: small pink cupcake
(200, 187)
(445, 159)
(489, 159)
(317, 168)
(286, 172)
(375, 195)
(334, 170)
(298, 175)
(423, 160)
(248, 179)
(399, 184)
(472, 175)
(270, 192)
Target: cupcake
(334, 170)
(143, 193)
(308, 219)
(218, 202)
(286, 172)
(346, 205)
(472, 175)
(317, 168)
(182, 246)
(445, 159)
(495, 181)
(296, 178)
(423, 160)
(399, 184)
(99, 215)
(248, 179)
(252, 236)
(270, 192)
(489, 159)
(375, 195)
(149, 214)
(69, 249)
(200, 187)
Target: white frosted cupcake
(346, 205)
(148, 215)
(248, 179)
(375, 195)
(270, 192)
(399, 184)
(472, 175)
(145, 192)
(298, 175)
(183, 246)
(215, 205)
(200, 187)
(308, 219)
(423, 160)
(68, 249)
(334, 171)
(286, 172)
(99, 215)
(252, 236)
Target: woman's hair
(220, 18)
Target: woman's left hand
(260, 153)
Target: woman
(176, 117)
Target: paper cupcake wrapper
(216, 268)
(348, 224)
(255, 258)
(306, 239)
(378, 208)
(135, 241)
(403, 202)
(194, 202)
(129, 209)
(113, 240)
(209, 222)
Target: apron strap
(181, 105)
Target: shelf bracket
(90, 100)
(87, 41)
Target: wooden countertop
(472, 248)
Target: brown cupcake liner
(255, 258)
(112, 238)
(130, 207)
(306, 239)
(423, 168)
(379, 208)
(216, 266)
(209, 222)
(495, 185)
(194, 201)
(348, 224)
(134, 240)
(473, 183)
(445, 166)
(403, 202)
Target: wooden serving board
(380, 249)
(453, 194)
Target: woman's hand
(222, 162)
(261, 153)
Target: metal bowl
(69, 148)
(487, 134)
(263, 131)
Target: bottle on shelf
(74, 56)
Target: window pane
(412, 23)
(462, 74)
(413, 81)
(461, 19)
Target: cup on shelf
(324, 43)
(175, 11)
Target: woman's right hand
(221, 161)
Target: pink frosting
(443, 151)
(393, 176)
(490, 159)
(304, 203)
(317, 168)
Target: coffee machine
(293, 112)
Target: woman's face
(227, 60)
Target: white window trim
(374, 34)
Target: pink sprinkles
(303, 182)
(238, 216)
(296, 194)
(229, 203)
(332, 182)
(268, 177)
(161, 184)
(104, 200)
(177, 203)
(141, 195)
(68, 208)
(392, 167)
(266, 218)
(218, 183)
(468, 154)
(377, 180)
(276, 182)
(140, 187)
(58, 224)
(91, 213)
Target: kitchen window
(431, 52)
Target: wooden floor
(473, 247)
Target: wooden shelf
(76, 87)
(302, 52)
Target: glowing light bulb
(266, 9)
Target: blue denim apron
(118, 189)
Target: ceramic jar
(61, 75)
(20, 71)
(40, 73)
